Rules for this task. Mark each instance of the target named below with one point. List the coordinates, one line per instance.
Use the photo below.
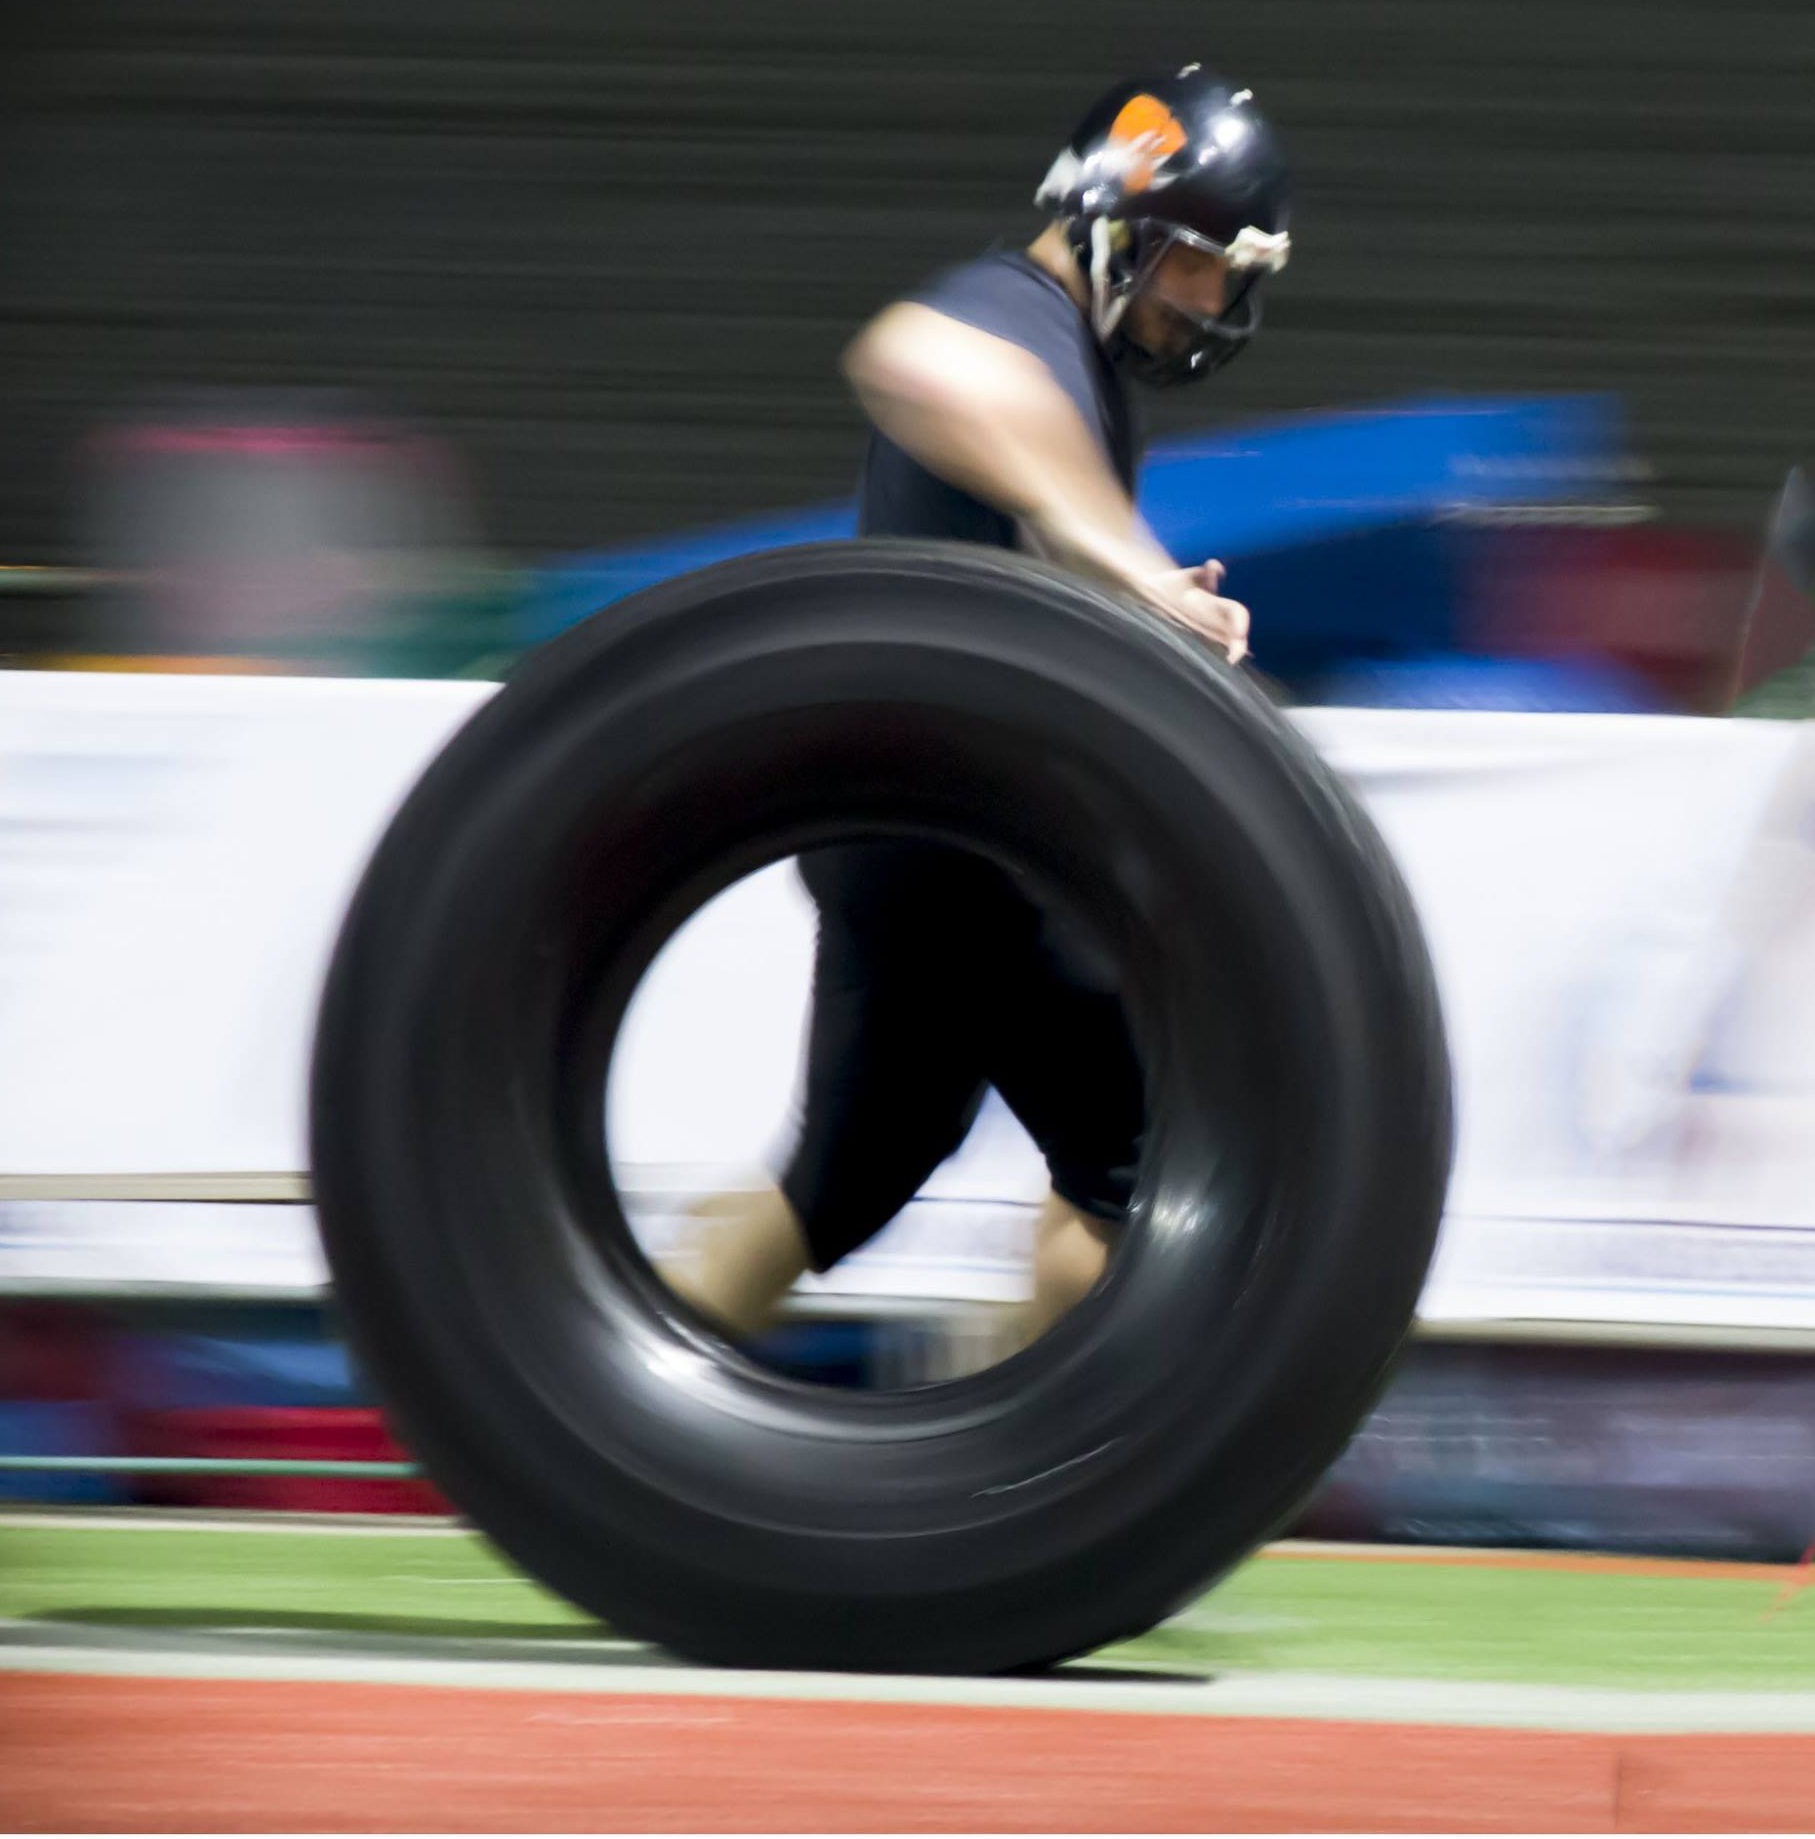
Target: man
(1000, 415)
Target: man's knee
(847, 1180)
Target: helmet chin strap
(1110, 295)
(1107, 304)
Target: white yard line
(1454, 1703)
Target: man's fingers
(1227, 623)
(1223, 622)
(1187, 597)
(1238, 630)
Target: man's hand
(1189, 596)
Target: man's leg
(1065, 1063)
(891, 1081)
(754, 1251)
(1071, 1252)
(750, 1251)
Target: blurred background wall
(612, 251)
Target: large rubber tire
(1299, 1115)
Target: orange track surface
(159, 1755)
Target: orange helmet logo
(1144, 133)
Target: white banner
(1622, 911)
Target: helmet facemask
(1121, 260)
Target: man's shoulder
(1004, 292)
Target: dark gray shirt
(1007, 294)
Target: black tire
(1299, 1115)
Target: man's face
(1187, 282)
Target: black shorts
(936, 978)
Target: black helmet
(1179, 158)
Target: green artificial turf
(1478, 1622)
(1296, 1614)
(377, 1583)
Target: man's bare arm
(987, 416)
